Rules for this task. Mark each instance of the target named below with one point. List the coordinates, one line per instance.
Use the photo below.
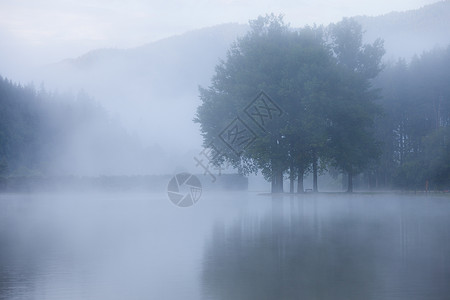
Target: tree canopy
(415, 125)
(316, 104)
(45, 134)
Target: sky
(46, 31)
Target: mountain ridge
(413, 17)
(156, 85)
(406, 33)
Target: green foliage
(38, 130)
(353, 110)
(416, 100)
(324, 93)
(436, 154)
(4, 169)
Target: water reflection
(34, 264)
(338, 247)
(228, 246)
(99, 246)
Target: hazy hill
(410, 32)
(167, 68)
(154, 88)
(173, 67)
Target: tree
(416, 101)
(322, 104)
(288, 66)
(437, 156)
(352, 111)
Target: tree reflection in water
(339, 248)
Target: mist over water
(228, 246)
(127, 162)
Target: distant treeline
(38, 128)
(46, 133)
(414, 129)
(328, 105)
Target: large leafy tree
(352, 111)
(288, 66)
(322, 87)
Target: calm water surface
(228, 246)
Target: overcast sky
(45, 31)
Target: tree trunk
(350, 182)
(277, 178)
(291, 179)
(274, 177)
(315, 189)
(344, 181)
(300, 188)
(280, 180)
(273, 187)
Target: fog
(149, 85)
(235, 245)
(123, 174)
(152, 89)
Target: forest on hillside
(415, 126)
(44, 133)
(329, 105)
(390, 130)
(409, 33)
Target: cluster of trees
(20, 127)
(321, 80)
(36, 124)
(415, 126)
(330, 106)
(47, 133)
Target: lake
(234, 245)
